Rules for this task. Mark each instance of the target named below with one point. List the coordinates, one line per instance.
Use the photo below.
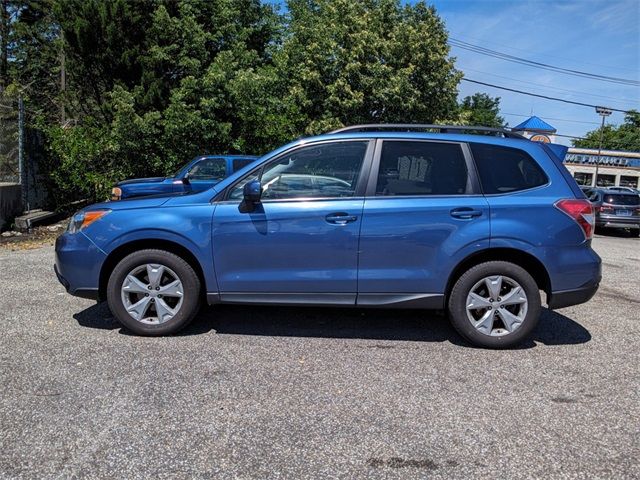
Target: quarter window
(422, 168)
(504, 169)
(328, 170)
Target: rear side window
(239, 163)
(504, 169)
(422, 168)
(621, 199)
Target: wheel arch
(518, 257)
(115, 256)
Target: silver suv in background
(616, 208)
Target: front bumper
(90, 293)
(77, 265)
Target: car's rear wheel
(153, 292)
(495, 304)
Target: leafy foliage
(481, 109)
(621, 137)
(152, 83)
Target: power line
(620, 100)
(523, 61)
(511, 47)
(540, 96)
(551, 118)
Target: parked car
(199, 174)
(616, 208)
(476, 225)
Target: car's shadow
(373, 324)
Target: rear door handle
(340, 218)
(465, 212)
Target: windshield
(622, 199)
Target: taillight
(581, 211)
(605, 208)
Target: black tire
(457, 304)
(190, 298)
(635, 232)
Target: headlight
(116, 193)
(83, 219)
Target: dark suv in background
(616, 208)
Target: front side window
(504, 169)
(328, 170)
(209, 169)
(422, 168)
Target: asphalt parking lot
(315, 393)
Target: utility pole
(604, 112)
(63, 83)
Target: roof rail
(420, 126)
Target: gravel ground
(315, 393)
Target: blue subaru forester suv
(395, 216)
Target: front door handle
(340, 218)
(465, 212)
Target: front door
(205, 174)
(300, 243)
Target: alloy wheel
(152, 293)
(496, 305)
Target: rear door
(423, 214)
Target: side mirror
(252, 191)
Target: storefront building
(616, 168)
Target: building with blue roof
(536, 129)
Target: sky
(601, 37)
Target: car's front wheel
(495, 304)
(153, 292)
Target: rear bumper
(567, 298)
(618, 222)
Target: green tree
(149, 85)
(152, 83)
(621, 137)
(345, 62)
(36, 59)
(482, 110)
